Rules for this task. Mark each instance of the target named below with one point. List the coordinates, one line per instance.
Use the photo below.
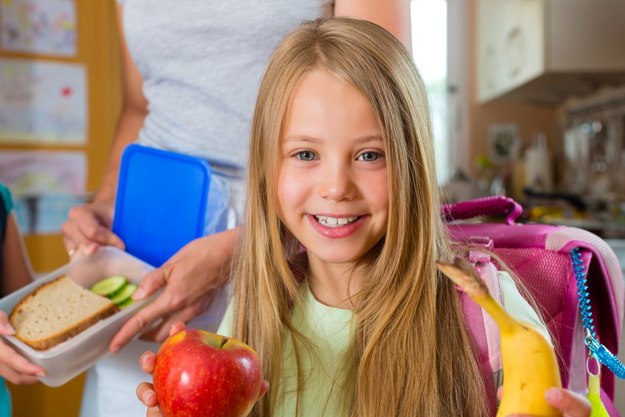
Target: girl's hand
(13, 366)
(571, 404)
(145, 390)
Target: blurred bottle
(576, 159)
(518, 180)
(538, 169)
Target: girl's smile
(332, 186)
(336, 227)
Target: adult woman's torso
(202, 62)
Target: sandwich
(57, 311)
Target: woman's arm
(393, 15)
(91, 223)
(132, 118)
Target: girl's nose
(337, 184)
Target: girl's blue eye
(369, 156)
(306, 156)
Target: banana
(529, 363)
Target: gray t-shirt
(202, 62)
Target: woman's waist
(226, 153)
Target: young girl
(336, 283)
(15, 272)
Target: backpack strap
(496, 205)
(480, 326)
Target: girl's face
(332, 187)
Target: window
(438, 29)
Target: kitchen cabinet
(547, 50)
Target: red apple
(198, 374)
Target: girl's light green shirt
(329, 331)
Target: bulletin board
(90, 75)
(70, 140)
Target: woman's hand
(90, 225)
(191, 279)
(145, 390)
(13, 366)
(571, 404)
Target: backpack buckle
(477, 256)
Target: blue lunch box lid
(161, 202)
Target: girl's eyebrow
(304, 138)
(300, 138)
(372, 138)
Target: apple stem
(224, 340)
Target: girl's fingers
(571, 404)
(147, 361)
(263, 389)
(146, 394)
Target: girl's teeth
(335, 221)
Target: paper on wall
(45, 185)
(42, 101)
(45, 27)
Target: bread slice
(56, 311)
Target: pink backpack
(555, 263)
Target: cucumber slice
(110, 287)
(124, 295)
(126, 303)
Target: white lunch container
(73, 356)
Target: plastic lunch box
(70, 358)
(161, 202)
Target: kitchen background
(531, 104)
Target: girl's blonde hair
(410, 355)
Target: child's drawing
(46, 27)
(42, 102)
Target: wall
(97, 50)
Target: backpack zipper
(596, 349)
